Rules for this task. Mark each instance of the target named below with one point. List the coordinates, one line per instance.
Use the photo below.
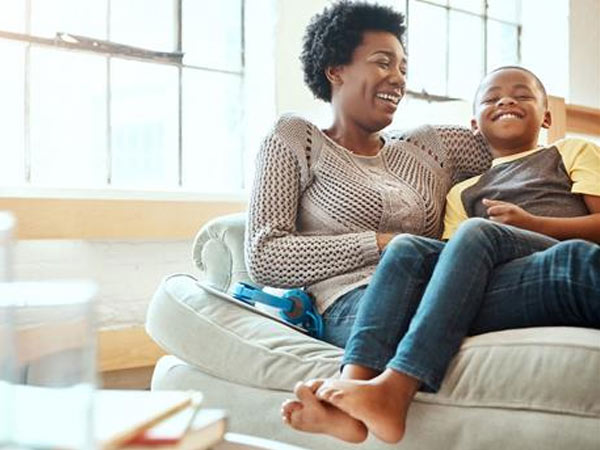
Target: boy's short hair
(333, 35)
(523, 69)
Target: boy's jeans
(425, 297)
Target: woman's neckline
(382, 137)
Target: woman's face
(368, 89)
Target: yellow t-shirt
(578, 158)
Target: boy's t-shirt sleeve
(582, 162)
(455, 210)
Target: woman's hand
(509, 214)
(383, 239)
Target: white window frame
(443, 96)
(77, 43)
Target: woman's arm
(584, 227)
(276, 254)
(468, 152)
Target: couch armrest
(218, 251)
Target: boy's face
(510, 109)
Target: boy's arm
(455, 212)
(584, 227)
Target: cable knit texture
(316, 207)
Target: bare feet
(380, 403)
(310, 414)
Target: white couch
(536, 388)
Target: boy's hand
(383, 239)
(509, 214)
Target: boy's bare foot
(380, 403)
(310, 414)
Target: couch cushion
(230, 342)
(430, 425)
(552, 369)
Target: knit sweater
(316, 207)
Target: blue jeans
(426, 296)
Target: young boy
(552, 190)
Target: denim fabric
(425, 297)
(339, 317)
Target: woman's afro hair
(333, 35)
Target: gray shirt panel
(538, 183)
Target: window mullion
(519, 31)
(485, 38)
(447, 50)
(109, 152)
(27, 98)
(179, 31)
(109, 158)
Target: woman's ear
(474, 127)
(334, 75)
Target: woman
(326, 203)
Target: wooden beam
(126, 348)
(557, 108)
(55, 218)
(584, 120)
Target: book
(121, 415)
(189, 429)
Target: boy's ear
(474, 127)
(547, 119)
(334, 75)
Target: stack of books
(159, 420)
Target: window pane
(86, 18)
(427, 55)
(12, 90)
(144, 23)
(221, 25)
(212, 145)
(144, 117)
(503, 41)
(68, 118)
(509, 10)
(465, 54)
(12, 15)
(397, 5)
(475, 6)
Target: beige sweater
(316, 207)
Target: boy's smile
(503, 115)
(510, 109)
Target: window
(453, 43)
(130, 94)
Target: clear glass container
(52, 375)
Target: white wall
(545, 43)
(127, 272)
(584, 52)
(291, 92)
